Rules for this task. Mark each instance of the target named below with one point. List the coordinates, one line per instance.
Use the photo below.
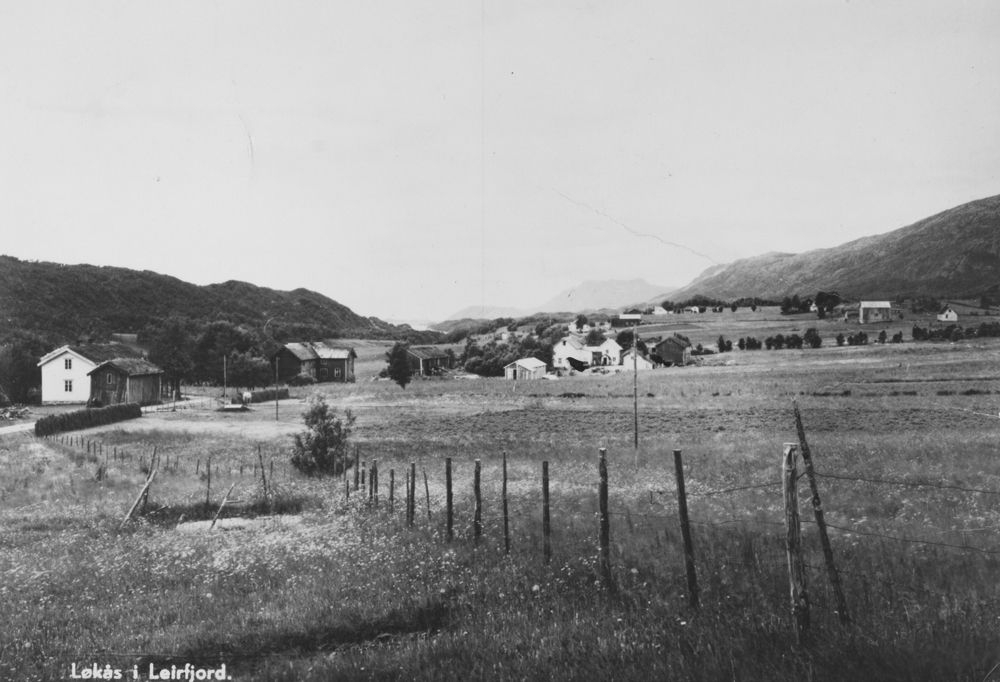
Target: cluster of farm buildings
(119, 372)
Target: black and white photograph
(437, 340)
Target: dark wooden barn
(318, 360)
(673, 350)
(126, 380)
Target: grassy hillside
(955, 253)
(62, 301)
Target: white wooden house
(641, 362)
(569, 347)
(948, 315)
(65, 370)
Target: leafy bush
(301, 380)
(321, 450)
(84, 419)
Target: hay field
(328, 587)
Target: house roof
(573, 342)
(876, 304)
(130, 366)
(317, 350)
(527, 363)
(426, 352)
(678, 341)
(94, 352)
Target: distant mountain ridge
(588, 296)
(597, 294)
(955, 253)
(61, 302)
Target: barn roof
(328, 352)
(319, 350)
(303, 351)
(676, 340)
(527, 363)
(426, 352)
(876, 304)
(130, 366)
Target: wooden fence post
(793, 546)
(817, 505)
(374, 483)
(427, 493)
(392, 490)
(450, 510)
(506, 514)
(477, 520)
(208, 485)
(411, 511)
(357, 468)
(682, 508)
(546, 523)
(364, 466)
(605, 530)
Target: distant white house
(607, 353)
(65, 370)
(569, 347)
(692, 309)
(641, 362)
(524, 369)
(660, 310)
(610, 353)
(947, 315)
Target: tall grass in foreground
(348, 592)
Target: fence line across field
(366, 494)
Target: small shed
(524, 369)
(427, 360)
(874, 311)
(126, 380)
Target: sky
(411, 158)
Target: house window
(336, 372)
(111, 378)
(68, 363)
(68, 385)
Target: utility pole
(637, 318)
(275, 387)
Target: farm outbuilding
(65, 370)
(874, 311)
(673, 350)
(125, 380)
(427, 360)
(317, 360)
(524, 369)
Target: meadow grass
(336, 589)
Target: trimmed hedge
(267, 395)
(84, 419)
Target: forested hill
(955, 253)
(60, 302)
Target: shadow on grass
(306, 640)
